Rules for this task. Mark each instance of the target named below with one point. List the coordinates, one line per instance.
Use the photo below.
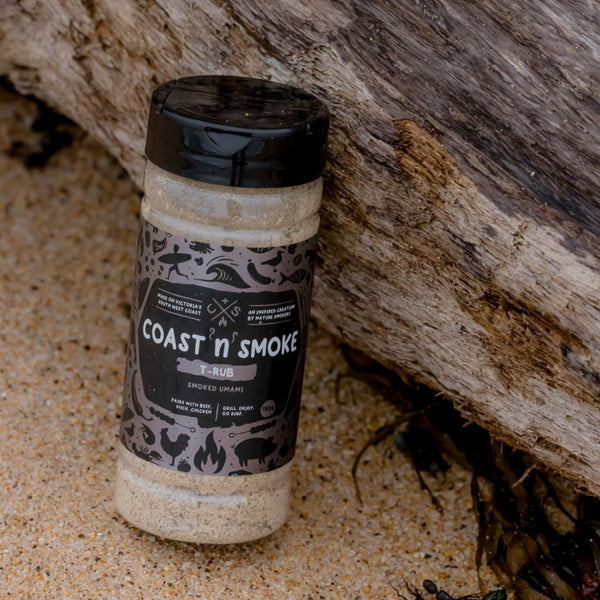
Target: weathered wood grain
(461, 226)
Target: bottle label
(216, 354)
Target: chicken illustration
(173, 448)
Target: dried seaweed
(539, 534)
(378, 436)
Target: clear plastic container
(220, 308)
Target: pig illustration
(257, 447)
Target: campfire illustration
(212, 456)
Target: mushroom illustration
(174, 259)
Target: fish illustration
(201, 247)
(295, 277)
(257, 276)
(226, 274)
(259, 250)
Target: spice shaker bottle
(220, 308)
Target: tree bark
(460, 240)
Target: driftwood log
(461, 226)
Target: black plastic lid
(237, 131)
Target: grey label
(216, 354)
